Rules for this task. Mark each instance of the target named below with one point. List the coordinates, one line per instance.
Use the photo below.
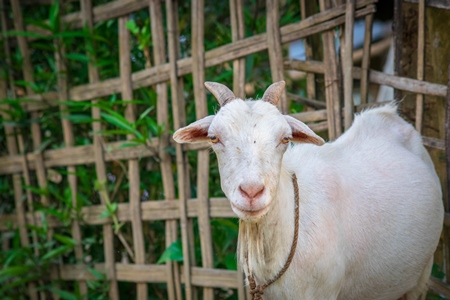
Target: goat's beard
(250, 249)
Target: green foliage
(172, 253)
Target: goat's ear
(195, 132)
(302, 133)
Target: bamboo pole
(27, 71)
(69, 141)
(420, 63)
(133, 164)
(178, 114)
(331, 80)
(100, 167)
(201, 111)
(274, 47)
(306, 10)
(347, 61)
(315, 24)
(159, 52)
(238, 33)
(397, 82)
(365, 64)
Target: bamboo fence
(332, 115)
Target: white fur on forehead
(240, 116)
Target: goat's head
(249, 138)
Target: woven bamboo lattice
(177, 208)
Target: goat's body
(370, 216)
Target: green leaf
(63, 294)
(97, 274)
(172, 253)
(78, 57)
(145, 113)
(105, 214)
(131, 144)
(131, 25)
(14, 271)
(121, 123)
(79, 118)
(230, 261)
(65, 239)
(54, 17)
(56, 252)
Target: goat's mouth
(249, 212)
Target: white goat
(371, 211)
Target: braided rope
(257, 291)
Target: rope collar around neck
(258, 290)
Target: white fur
(370, 203)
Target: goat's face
(249, 138)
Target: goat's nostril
(251, 191)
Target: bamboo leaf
(65, 239)
(172, 253)
(121, 123)
(56, 252)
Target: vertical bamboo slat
(365, 64)
(331, 80)
(11, 145)
(133, 164)
(178, 113)
(159, 52)
(69, 141)
(447, 160)
(100, 168)
(201, 111)
(274, 47)
(420, 63)
(28, 76)
(238, 33)
(397, 27)
(305, 9)
(347, 63)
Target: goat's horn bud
(273, 92)
(223, 94)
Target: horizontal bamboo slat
(241, 48)
(203, 277)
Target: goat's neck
(264, 246)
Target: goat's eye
(214, 139)
(285, 140)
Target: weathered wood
(100, 169)
(204, 277)
(27, 71)
(177, 107)
(439, 287)
(69, 141)
(365, 64)
(134, 180)
(312, 25)
(347, 63)
(316, 104)
(309, 8)
(238, 33)
(331, 79)
(107, 11)
(420, 63)
(274, 47)
(162, 112)
(398, 82)
(201, 111)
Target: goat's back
(376, 190)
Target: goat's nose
(251, 191)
